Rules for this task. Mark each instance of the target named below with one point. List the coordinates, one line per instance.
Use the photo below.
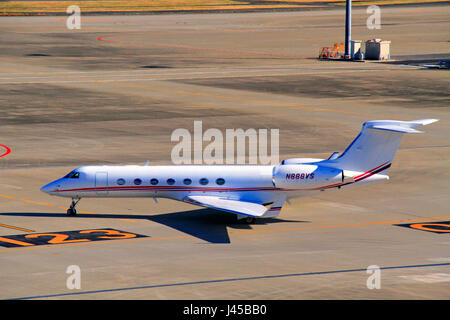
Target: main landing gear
(72, 211)
(250, 220)
(245, 219)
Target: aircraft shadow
(205, 224)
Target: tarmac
(115, 90)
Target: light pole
(348, 28)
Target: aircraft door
(101, 182)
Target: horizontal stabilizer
(234, 206)
(395, 128)
(422, 122)
(399, 126)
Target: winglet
(276, 207)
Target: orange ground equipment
(337, 52)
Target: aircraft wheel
(250, 220)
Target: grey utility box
(355, 49)
(377, 49)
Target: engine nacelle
(305, 176)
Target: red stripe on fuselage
(356, 177)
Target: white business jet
(249, 191)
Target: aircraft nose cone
(48, 188)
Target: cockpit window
(72, 175)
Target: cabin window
(204, 181)
(170, 181)
(187, 181)
(120, 181)
(137, 181)
(220, 181)
(154, 181)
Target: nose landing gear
(72, 210)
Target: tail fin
(376, 145)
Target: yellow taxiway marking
(90, 242)
(241, 232)
(267, 230)
(46, 204)
(17, 228)
(26, 200)
(231, 232)
(2, 195)
(342, 225)
(42, 203)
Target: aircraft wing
(234, 206)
